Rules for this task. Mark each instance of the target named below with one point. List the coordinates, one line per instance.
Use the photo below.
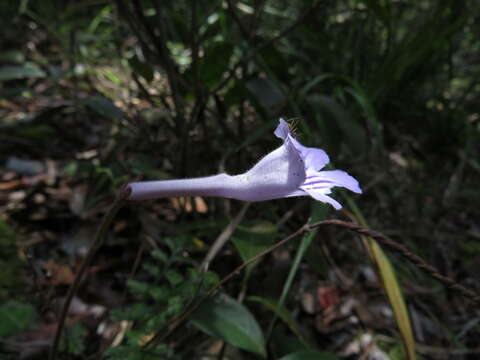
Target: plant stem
(97, 243)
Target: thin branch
(184, 316)
(194, 45)
(160, 41)
(97, 243)
(131, 19)
(223, 237)
(243, 30)
(254, 51)
(407, 254)
(379, 237)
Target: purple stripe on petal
(317, 182)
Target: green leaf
(153, 269)
(394, 293)
(74, 342)
(15, 317)
(12, 56)
(283, 343)
(227, 319)
(390, 284)
(339, 124)
(104, 107)
(310, 355)
(398, 353)
(282, 313)
(28, 70)
(173, 277)
(112, 76)
(319, 212)
(131, 351)
(10, 263)
(250, 241)
(311, 84)
(137, 287)
(365, 103)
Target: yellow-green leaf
(390, 284)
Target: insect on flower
(292, 126)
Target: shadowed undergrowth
(96, 94)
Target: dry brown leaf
(10, 184)
(59, 274)
(185, 204)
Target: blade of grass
(284, 315)
(319, 212)
(389, 282)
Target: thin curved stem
(379, 237)
(97, 243)
(223, 238)
(407, 254)
(182, 317)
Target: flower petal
(276, 175)
(329, 179)
(314, 158)
(283, 130)
(323, 197)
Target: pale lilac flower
(290, 170)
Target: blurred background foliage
(94, 93)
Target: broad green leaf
(15, 317)
(283, 343)
(104, 107)
(12, 56)
(229, 320)
(28, 70)
(310, 355)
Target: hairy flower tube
(290, 170)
